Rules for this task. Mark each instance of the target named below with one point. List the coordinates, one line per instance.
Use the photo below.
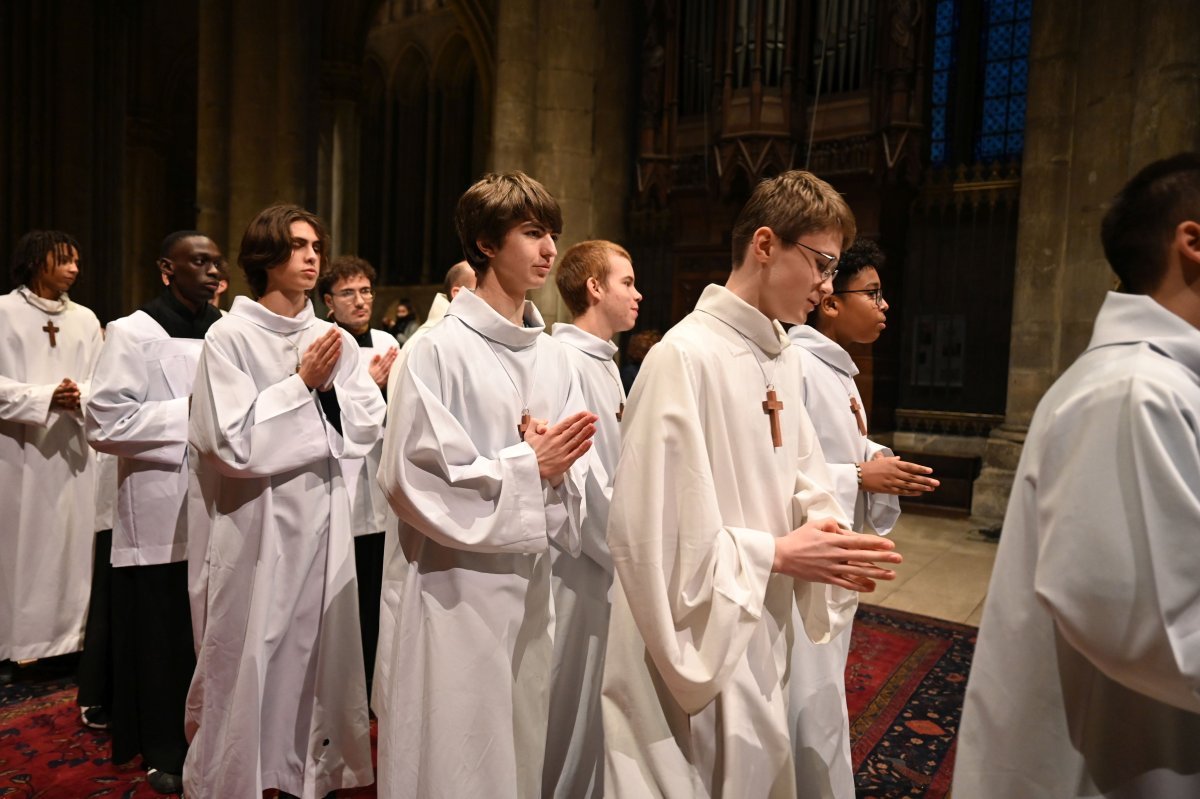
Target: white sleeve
(118, 417)
(438, 481)
(26, 403)
(825, 609)
(1118, 514)
(361, 404)
(247, 433)
(695, 586)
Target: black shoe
(94, 717)
(164, 783)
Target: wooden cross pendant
(854, 409)
(772, 406)
(51, 330)
(524, 425)
(620, 411)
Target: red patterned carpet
(904, 685)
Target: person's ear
(167, 270)
(1187, 242)
(485, 248)
(829, 306)
(593, 288)
(762, 245)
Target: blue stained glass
(990, 147)
(1016, 112)
(1020, 39)
(995, 115)
(995, 79)
(1024, 9)
(942, 53)
(938, 123)
(1020, 76)
(1015, 143)
(944, 22)
(937, 153)
(1000, 11)
(999, 42)
(941, 88)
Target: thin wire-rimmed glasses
(830, 271)
(366, 292)
(874, 295)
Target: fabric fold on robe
(48, 476)
(467, 619)
(696, 680)
(274, 596)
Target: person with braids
(48, 347)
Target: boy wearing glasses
(347, 288)
(866, 479)
(720, 527)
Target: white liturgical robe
(138, 411)
(695, 683)
(368, 506)
(818, 716)
(575, 750)
(274, 594)
(1086, 676)
(467, 666)
(47, 477)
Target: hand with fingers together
(822, 552)
(381, 366)
(66, 395)
(890, 475)
(560, 445)
(320, 359)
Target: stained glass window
(1005, 45)
(945, 39)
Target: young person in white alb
(280, 397)
(482, 464)
(720, 523)
(596, 281)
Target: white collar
(43, 304)
(487, 321)
(721, 303)
(584, 341)
(824, 348)
(258, 314)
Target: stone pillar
(1105, 84)
(563, 113)
(259, 111)
(338, 158)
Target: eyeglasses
(874, 295)
(830, 271)
(348, 294)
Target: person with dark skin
(138, 411)
(47, 352)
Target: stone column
(259, 113)
(563, 113)
(1105, 84)
(338, 160)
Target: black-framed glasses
(874, 295)
(830, 271)
(348, 294)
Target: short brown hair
(583, 260)
(344, 267)
(494, 205)
(267, 242)
(792, 204)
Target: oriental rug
(904, 685)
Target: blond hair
(584, 260)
